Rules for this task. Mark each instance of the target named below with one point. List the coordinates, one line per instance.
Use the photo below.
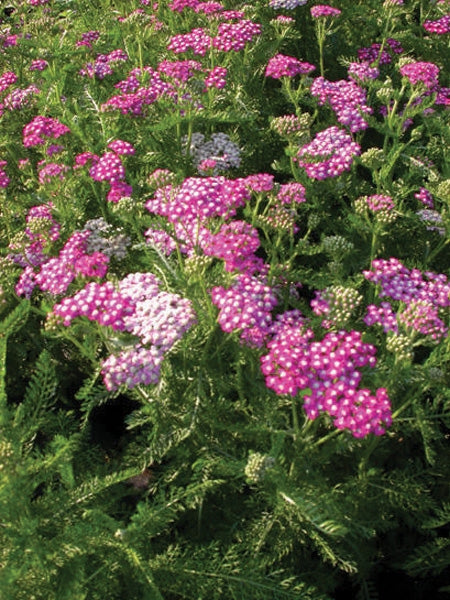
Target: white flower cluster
(217, 154)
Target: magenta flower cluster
(110, 168)
(425, 197)
(421, 72)
(346, 98)
(87, 39)
(329, 370)
(281, 65)
(329, 154)
(439, 26)
(376, 53)
(40, 128)
(245, 306)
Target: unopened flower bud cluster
(337, 304)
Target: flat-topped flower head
(286, 4)
(281, 65)
(324, 10)
(421, 72)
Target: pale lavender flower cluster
(423, 295)
(286, 4)
(103, 64)
(433, 220)
(224, 152)
(329, 154)
(347, 100)
(105, 238)
(330, 369)
(282, 65)
(137, 306)
(40, 128)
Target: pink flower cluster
(291, 193)
(362, 71)
(400, 283)
(346, 98)
(189, 206)
(323, 10)
(439, 26)
(57, 273)
(196, 40)
(136, 96)
(235, 243)
(49, 171)
(136, 305)
(4, 179)
(39, 64)
(230, 36)
(281, 65)
(329, 154)
(421, 72)
(35, 132)
(329, 370)
(235, 36)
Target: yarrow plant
(224, 298)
